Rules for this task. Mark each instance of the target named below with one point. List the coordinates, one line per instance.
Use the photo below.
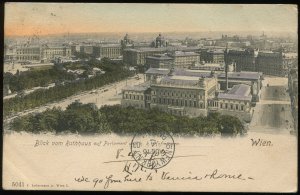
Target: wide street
(106, 95)
(272, 113)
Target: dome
(126, 36)
(159, 38)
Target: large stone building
(236, 102)
(159, 61)
(212, 55)
(52, 52)
(40, 53)
(31, 53)
(210, 67)
(244, 59)
(156, 73)
(126, 42)
(185, 59)
(111, 51)
(160, 41)
(189, 93)
(270, 63)
(253, 79)
(136, 96)
(90, 49)
(137, 56)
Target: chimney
(226, 75)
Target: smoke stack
(226, 75)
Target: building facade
(92, 50)
(50, 53)
(185, 59)
(111, 51)
(136, 96)
(159, 61)
(137, 56)
(236, 102)
(30, 53)
(189, 93)
(253, 79)
(212, 55)
(244, 59)
(270, 63)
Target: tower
(226, 68)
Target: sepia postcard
(150, 97)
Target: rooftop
(241, 89)
(218, 51)
(269, 54)
(110, 45)
(160, 71)
(160, 57)
(185, 54)
(191, 73)
(238, 92)
(242, 75)
(210, 65)
(180, 80)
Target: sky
(54, 18)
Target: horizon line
(140, 32)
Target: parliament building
(192, 93)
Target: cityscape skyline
(58, 18)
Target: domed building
(126, 42)
(160, 41)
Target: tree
(230, 125)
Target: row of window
(28, 58)
(164, 93)
(133, 97)
(179, 102)
(231, 106)
(29, 52)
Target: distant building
(111, 51)
(75, 48)
(270, 63)
(244, 59)
(160, 41)
(185, 59)
(209, 67)
(212, 55)
(126, 42)
(159, 61)
(137, 57)
(30, 53)
(51, 52)
(92, 50)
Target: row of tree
(88, 119)
(29, 79)
(59, 92)
(114, 72)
